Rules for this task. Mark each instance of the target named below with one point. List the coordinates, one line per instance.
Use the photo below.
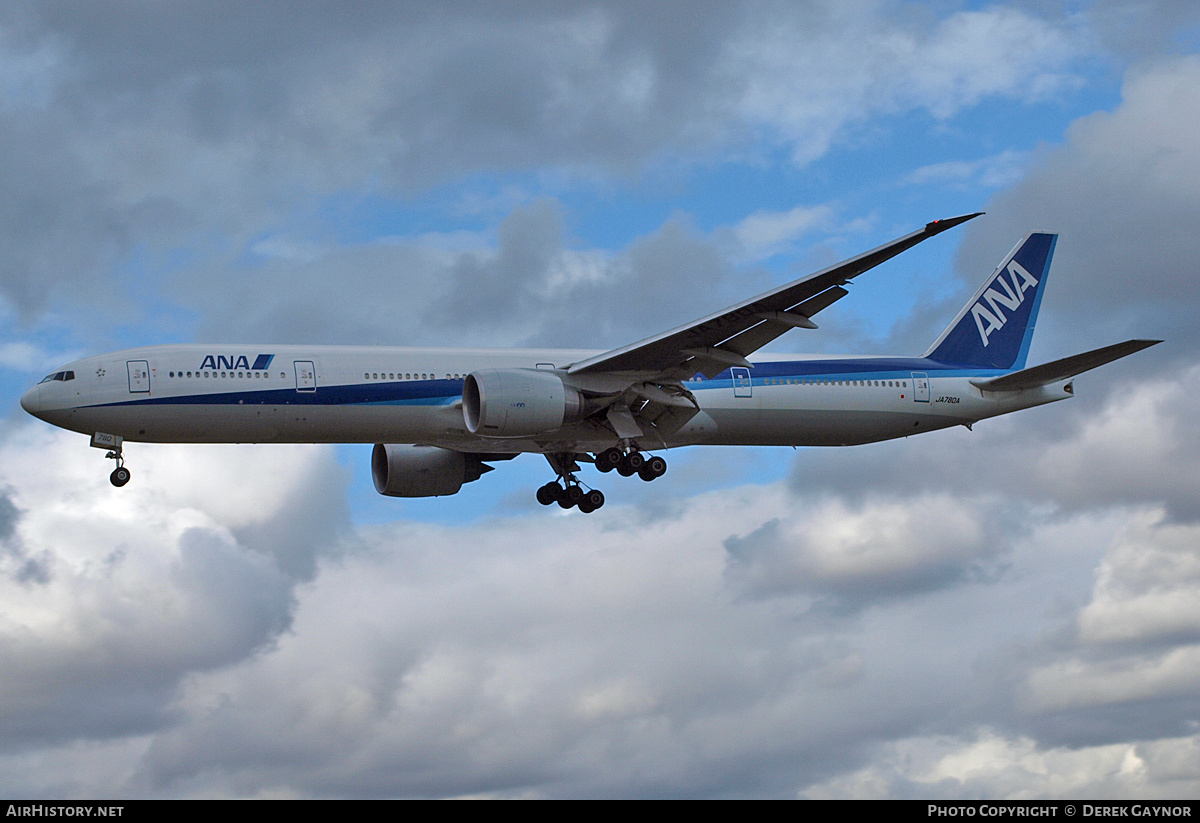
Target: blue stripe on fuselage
(410, 392)
(865, 368)
(443, 392)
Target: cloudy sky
(1009, 612)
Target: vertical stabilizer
(994, 329)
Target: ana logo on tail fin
(994, 329)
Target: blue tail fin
(994, 329)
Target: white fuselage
(340, 394)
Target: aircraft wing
(712, 344)
(1057, 370)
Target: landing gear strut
(112, 442)
(120, 475)
(567, 491)
(572, 494)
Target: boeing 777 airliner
(438, 417)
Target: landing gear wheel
(591, 501)
(630, 464)
(566, 491)
(653, 468)
(119, 476)
(549, 493)
(608, 459)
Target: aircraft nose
(31, 401)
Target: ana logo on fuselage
(1013, 297)
(233, 363)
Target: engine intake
(518, 402)
(422, 471)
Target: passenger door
(920, 387)
(139, 376)
(742, 385)
(306, 376)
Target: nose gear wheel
(120, 475)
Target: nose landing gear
(120, 475)
(113, 442)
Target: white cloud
(996, 171)
(766, 233)
(807, 87)
(567, 655)
(24, 356)
(992, 766)
(142, 586)
(1147, 585)
(1137, 637)
(879, 546)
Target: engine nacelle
(422, 471)
(518, 402)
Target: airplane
(439, 417)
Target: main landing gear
(567, 491)
(570, 494)
(630, 463)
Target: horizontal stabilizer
(1057, 370)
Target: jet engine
(518, 402)
(422, 471)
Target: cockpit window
(58, 375)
